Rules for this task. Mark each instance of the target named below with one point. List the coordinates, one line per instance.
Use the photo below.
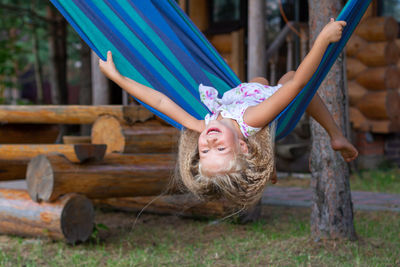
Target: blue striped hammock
(156, 44)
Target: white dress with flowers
(234, 102)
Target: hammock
(156, 44)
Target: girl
(233, 154)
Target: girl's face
(218, 145)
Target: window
(227, 15)
(390, 8)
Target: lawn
(281, 238)
(385, 180)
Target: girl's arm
(151, 97)
(263, 113)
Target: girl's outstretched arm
(151, 97)
(265, 112)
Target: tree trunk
(58, 63)
(332, 208)
(257, 44)
(100, 90)
(58, 54)
(85, 91)
(38, 64)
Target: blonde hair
(244, 184)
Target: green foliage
(20, 22)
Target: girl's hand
(332, 32)
(108, 67)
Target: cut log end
(77, 219)
(107, 130)
(70, 218)
(39, 178)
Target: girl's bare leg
(321, 114)
(259, 80)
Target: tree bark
(257, 43)
(85, 91)
(332, 208)
(58, 54)
(100, 88)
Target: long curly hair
(244, 184)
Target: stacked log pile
(374, 76)
(131, 163)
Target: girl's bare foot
(348, 151)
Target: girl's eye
(221, 148)
(205, 151)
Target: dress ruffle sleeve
(209, 96)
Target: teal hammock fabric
(156, 44)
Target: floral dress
(234, 102)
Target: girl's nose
(211, 140)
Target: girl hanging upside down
(230, 153)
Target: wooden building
(277, 47)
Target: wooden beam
(183, 205)
(70, 114)
(49, 177)
(71, 218)
(28, 133)
(149, 137)
(14, 159)
(76, 153)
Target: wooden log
(380, 78)
(183, 205)
(71, 218)
(72, 140)
(356, 93)
(354, 45)
(354, 67)
(380, 105)
(377, 29)
(28, 134)
(13, 169)
(70, 114)
(48, 177)
(381, 126)
(14, 159)
(379, 54)
(139, 138)
(222, 42)
(357, 119)
(360, 122)
(75, 153)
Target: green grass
(380, 180)
(385, 180)
(281, 238)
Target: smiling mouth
(213, 131)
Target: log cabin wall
(373, 71)
(230, 43)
